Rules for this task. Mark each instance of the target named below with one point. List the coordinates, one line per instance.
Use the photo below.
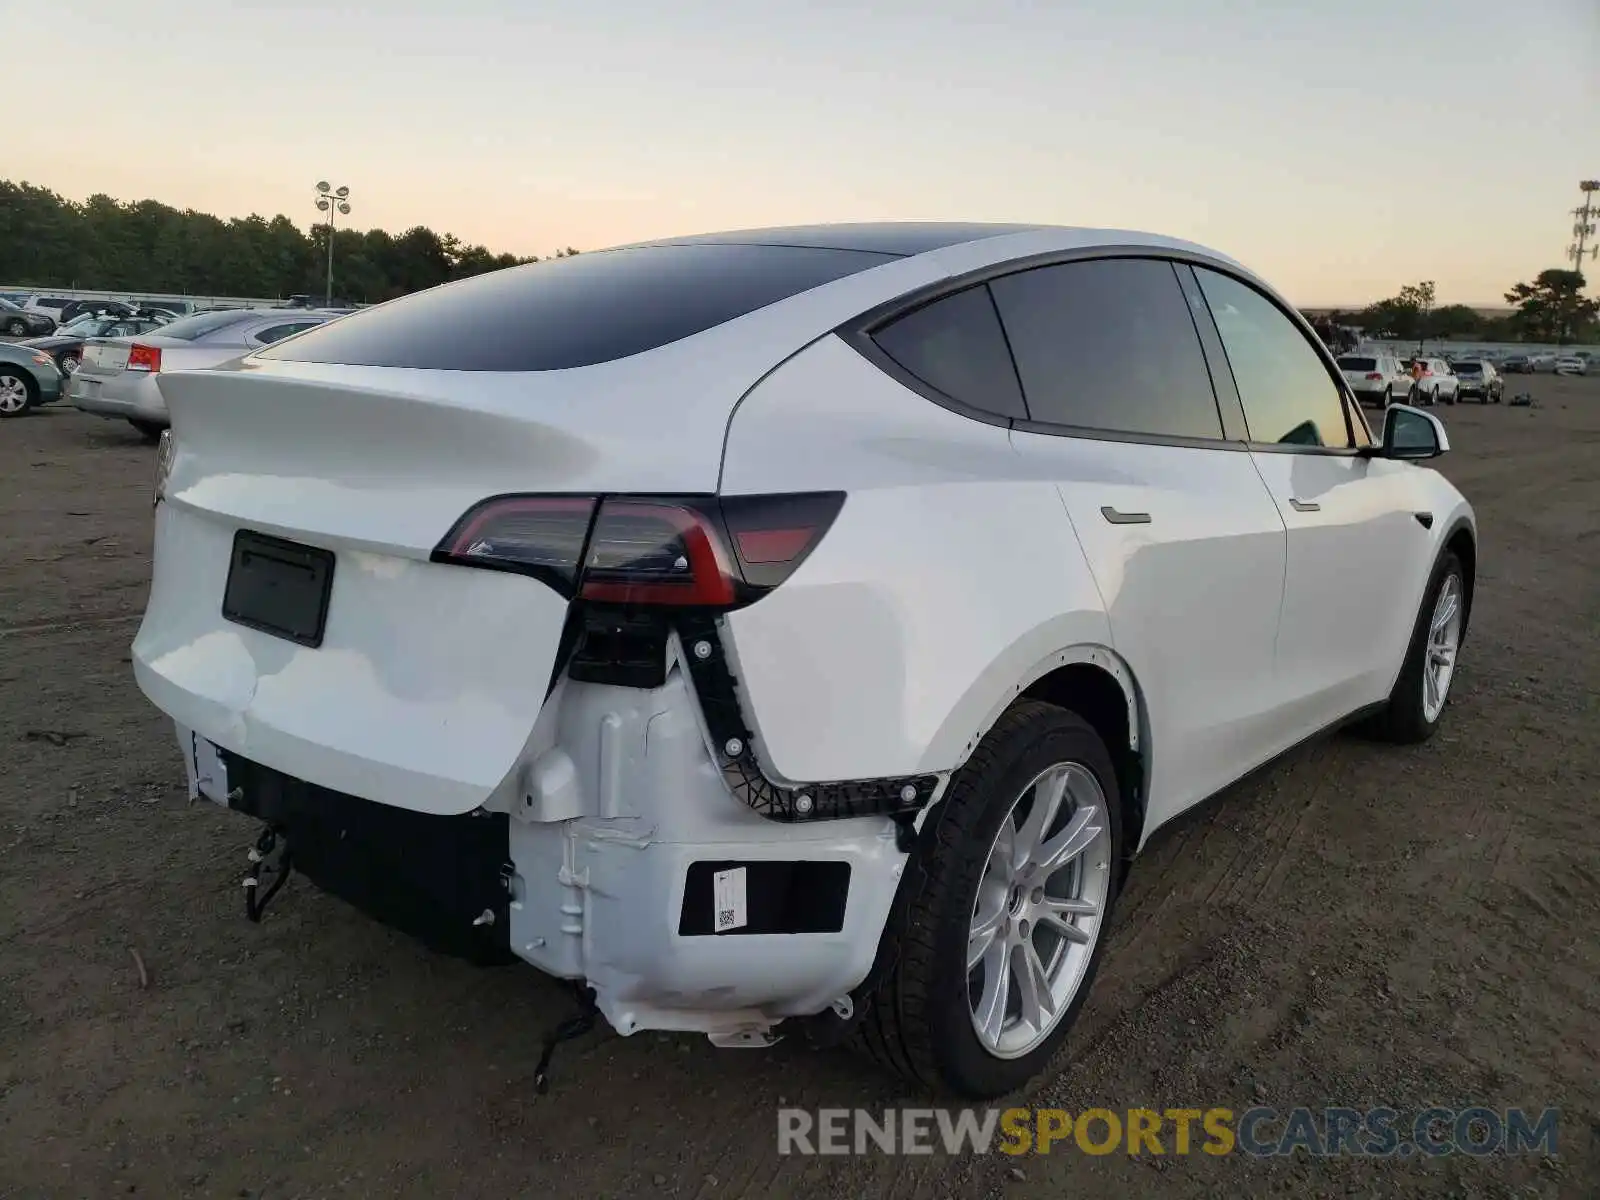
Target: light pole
(332, 201)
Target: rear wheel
(17, 327)
(1388, 397)
(1417, 702)
(997, 933)
(18, 392)
(149, 430)
(70, 363)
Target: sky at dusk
(1340, 149)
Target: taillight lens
(657, 552)
(1374, 374)
(541, 536)
(695, 552)
(144, 358)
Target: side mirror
(1411, 433)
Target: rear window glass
(187, 329)
(574, 312)
(1358, 364)
(1466, 368)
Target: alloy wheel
(13, 395)
(1039, 908)
(1444, 641)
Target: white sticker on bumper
(728, 890)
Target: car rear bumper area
(623, 859)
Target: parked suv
(16, 321)
(1432, 381)
(1376, 378)
(789, 629)
(1477, 379)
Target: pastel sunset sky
(1342, 149)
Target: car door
(1357, 525)
(1184, 542)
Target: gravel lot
(1356, 925)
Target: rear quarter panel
(949, 581)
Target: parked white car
(1436, 382)
(1572, 365)
(117, 376)
(789, 629)
(1376, 377)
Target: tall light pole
(332, 201)
(1583, 229)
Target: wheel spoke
(982, 933)
(1448, 604)
(1057, 914)
(990, 1013)
(1003, 858)
(1047, 794)
(1035, 1001)
(1075, 837)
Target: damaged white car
(789, 630)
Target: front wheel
(17, 393)
(1416, 704)
(997, 933)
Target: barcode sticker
(727, 893)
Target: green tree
(146, 246)
(1553, 307)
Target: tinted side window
(1108, 345)
(577, 311)
(1287, 393)
(279, 332)
(957, 346)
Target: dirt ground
(1356, 925)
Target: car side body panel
(887, 653)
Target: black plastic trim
(1229, 408)
(715, 686)
(874, 354)
(1113, 435)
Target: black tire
(10, 374)
(1388, 397)
(148, 430)
(918, 1022)
(17, 328)
(70, 363)
(1402, 719)
(1451, 399)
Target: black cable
(572, 1027)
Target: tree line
(1552, 308)
(104, 244)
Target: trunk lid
(429, 677)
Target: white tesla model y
(792, 629)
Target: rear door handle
(1304, 506)
(1124, 518)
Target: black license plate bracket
(279, 587)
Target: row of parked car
(106, 361)
(1383, 378)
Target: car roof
(905, 239)
(891, 238)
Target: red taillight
(1374, 374)
(677, 552)
(144, 358)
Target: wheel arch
(1094, 681)
(1461, 539)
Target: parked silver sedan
(116, 377)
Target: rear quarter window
(574, 312)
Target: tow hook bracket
(270, 858)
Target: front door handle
(1124, 518)
(1304, 506)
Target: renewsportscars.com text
(1258, 1132)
